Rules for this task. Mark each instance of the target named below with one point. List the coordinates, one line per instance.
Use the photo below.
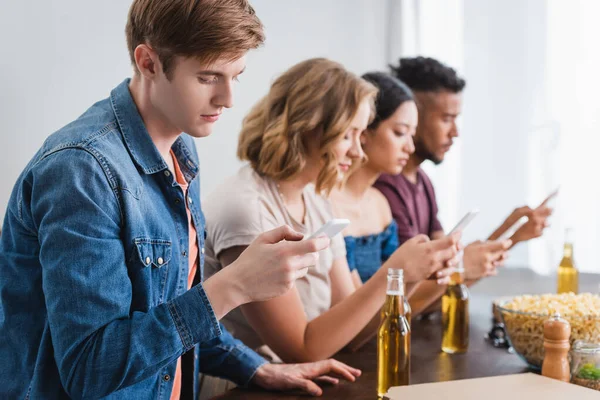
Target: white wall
(505, 43)
(59, 57)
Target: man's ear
(146, 61)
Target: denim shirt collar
(138, 140)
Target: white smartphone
(513, 229)
(466, 220)
(331, 228)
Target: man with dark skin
(438, 91)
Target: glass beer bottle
(393, 337)
(455, 315)
(407, 311)
(568, 276)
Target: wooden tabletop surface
(428, 363)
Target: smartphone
(513, 229)
(331, 228)
(466, 220)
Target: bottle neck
(568, 250)
(394, 303)
(458, 277)
(395, 286)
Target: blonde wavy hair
(315, 99)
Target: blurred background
(530, 114)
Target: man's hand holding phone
(534, 227)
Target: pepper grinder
(557, 331)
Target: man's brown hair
(204, 29)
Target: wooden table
(428, 363)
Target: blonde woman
(300, 140)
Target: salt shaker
(556, 344)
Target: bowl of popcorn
(524, 317)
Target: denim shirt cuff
(250, 361)
(194, 317)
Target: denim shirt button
(160, 261)
(167, 173)
(189, 200)
(202, 250)
(167, 378)
(148, 260)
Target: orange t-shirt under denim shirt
(193, 253)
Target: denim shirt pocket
(153, 257)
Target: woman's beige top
(246, 205)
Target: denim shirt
(366, 253)
(94, 266)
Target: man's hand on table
(302, 376)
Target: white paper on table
(526, 386)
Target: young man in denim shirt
(96, 251)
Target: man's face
(195, 96)
(437, 124)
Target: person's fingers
(454, 261)
(354, 371)
(306, 246)
(459, 246)
(333, 366)
(500, 250)
(300, 273)
(327, 379)
(418, 239)
(445, 254)
(456, 236)
(306, 385)
(447, 242)
(496, 246)
(445, 272)
(276, 235)
(306, 261)
(443, 281)
(543, 211)
(501, 257)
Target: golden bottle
(407, 311)
(568, 276)
(455, 315)
(393, 337)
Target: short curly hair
(316, 95)
(425, 74)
